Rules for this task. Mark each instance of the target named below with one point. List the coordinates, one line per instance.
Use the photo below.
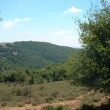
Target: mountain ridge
(34, 54)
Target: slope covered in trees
(34, 62)
(34, 54)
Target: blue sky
(42, 20)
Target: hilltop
(34, 54)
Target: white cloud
(59, 32)
(65, 38)
(26, 19)
(14, 22)
(8, 24)
(30, 32)
(73, 10)
(17, 20)
(70, 40)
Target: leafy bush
(55, 108)
(92, 66)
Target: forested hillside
(34, 54)
(34, 62)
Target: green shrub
(55, 108)
(49, 99)
(86, 107)
(48, 108)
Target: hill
(34, 54)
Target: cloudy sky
(42, 20)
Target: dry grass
(36, 96)
(16, 95)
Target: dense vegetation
(34, 54)
(92, 65)
(58, 72)
(21, 62)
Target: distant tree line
(11, 74)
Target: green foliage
(92, 66)
(104, 106)
(48, 108)
(20, 75)
(31, 76)
(33, 62)
(34, 54)
(86, 107)
(55, 108)
(49, 99)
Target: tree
(93, 65)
